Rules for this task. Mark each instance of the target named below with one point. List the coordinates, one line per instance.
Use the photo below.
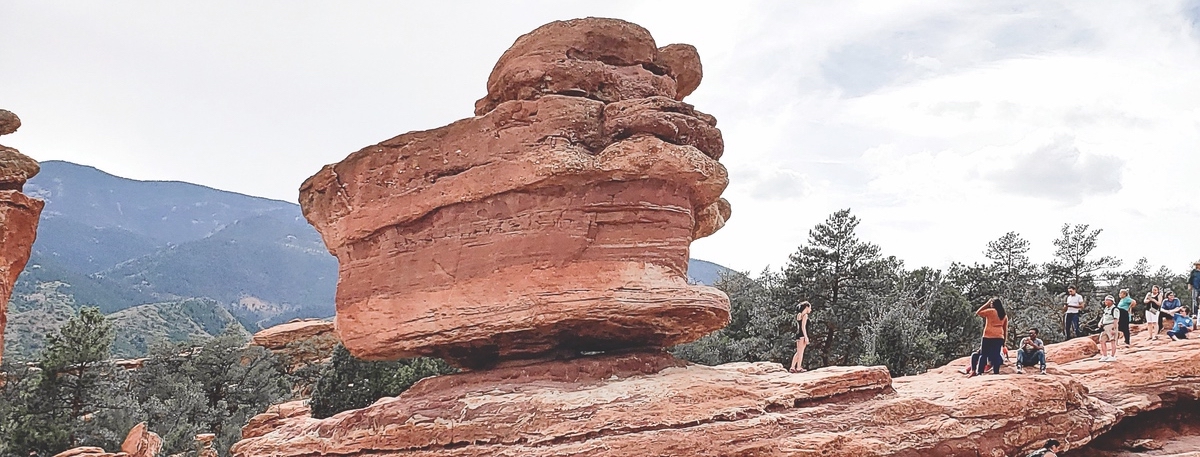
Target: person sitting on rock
(1032, 351)
(1183, 325)
(970, 370)
(1051, 449)
(1170, 306)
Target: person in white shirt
(1075, 303)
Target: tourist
(1032, 351)
(801, 337)
(1074, 304)
(1051, 449)
(1125, 305)
(969, 370)
(1194, 284)
(1170, 306)
(1153, 304)
(1108, 330)
(995, 327)
(1183, 325)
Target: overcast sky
(942, 125)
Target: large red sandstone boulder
(652, 405)
(18, 228)
(556, 221)
(18, 215)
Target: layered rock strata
(652, 405)
(557, 220)
(18, 215)
(302, 345)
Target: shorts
(1152, 316)
(1106, 332)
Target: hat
(1196, 262)
(1109, 298)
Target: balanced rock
(556, 221)
(649, 404)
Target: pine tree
(1073, 262)
(838, 274)
(349, 383)
(76, 396)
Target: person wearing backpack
(1051, 449)
(1108, 329)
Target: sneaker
(1043, 371)
(1106, 359)
(1020, 370)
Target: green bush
(350, 383)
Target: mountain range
(172, 261)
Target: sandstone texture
(649, 404)
(558, 220)
(87, 451)
(141, 442)
(9, 122)
(204, 445)
(18, 215)
(281, 336)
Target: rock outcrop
(650, 404)
(303, 346)
(280, 337)
(140, 442)
(18, 215)
(204, 445)
(557, 220)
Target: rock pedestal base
(650, 404)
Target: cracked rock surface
(650, 404)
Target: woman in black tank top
(801, 337)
